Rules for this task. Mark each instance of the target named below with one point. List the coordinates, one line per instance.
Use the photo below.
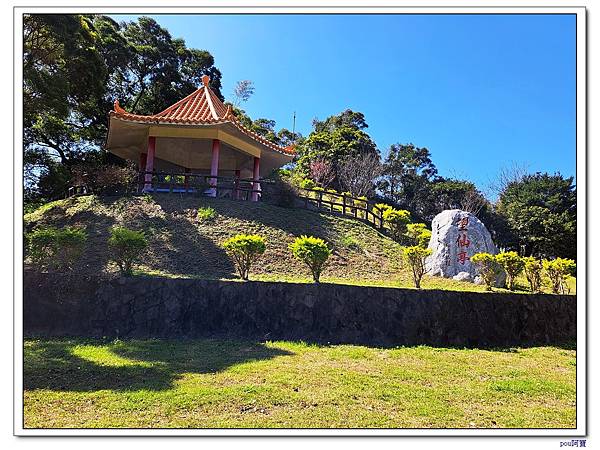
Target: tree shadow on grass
(92, 365)
(187, 251)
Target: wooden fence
(346, 205)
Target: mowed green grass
(231, 384)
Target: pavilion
(196, 135)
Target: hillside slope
(182, 246)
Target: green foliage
(176, 179)
(382, 206)
(407, 170)
(206, 214)
(307, 183)
(396, 221)
(415, 257)
(266, 128)
(313, 252)
(418, 234)
(75, 66)
(541, 211)
(56, 248)
(558, 270)
(334, 140)
(533, 272)
(512, 264)
(487, 266)
(245, 249)
(127, 247)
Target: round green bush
(56, 248)
(418, 234)
(512, 264)
(127, 246)
(415, 257)
(558, 270)
(487, 266)
(313, 252)
(245, 249)
(533, 272)
(396, 221)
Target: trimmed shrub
(418, 234)
(415, 257)
(512, 264)
(313, 252)
(307, 183)
(487, 267)
(244, 249)
(396, 221)
(127, 246)
(533, 272)
(206, 214)
(558, 270)
(383, 206)
(42, 246)
(56, 248)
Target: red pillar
(214, 167)
(142, 169)
(149, 163)
(256, 177)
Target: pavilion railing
(202, 184)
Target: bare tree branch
(358, 174)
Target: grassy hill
(180, 245)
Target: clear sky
(479, 91)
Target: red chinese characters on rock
(462, 241)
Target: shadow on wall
(64, 365)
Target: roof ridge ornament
(117, 107)
(205, 80)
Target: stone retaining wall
(160, 307)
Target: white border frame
(314, 7)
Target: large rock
(456, 236)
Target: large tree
(63, 85)
(541, 210)
(335, 140)
(407, 171)
(74, 67)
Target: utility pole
(294, 128)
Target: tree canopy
(541, 210)
(75, 66)
(335, 140)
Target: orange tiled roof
(201, 107)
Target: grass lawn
(215, 383)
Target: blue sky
(479, 91)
